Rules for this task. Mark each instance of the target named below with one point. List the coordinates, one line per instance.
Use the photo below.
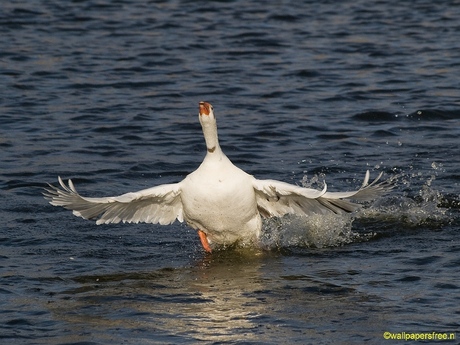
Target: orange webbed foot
(204, 241)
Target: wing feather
(161, 204)
(276, 198)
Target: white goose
(222, 202)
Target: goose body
(221, 201)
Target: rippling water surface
(106, 93)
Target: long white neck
(210, 136)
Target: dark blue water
(106, 93)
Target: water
(106, 93)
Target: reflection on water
(231, 296)
(228, 283)
(213, 300)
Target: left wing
(276, 198)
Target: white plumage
(221, 201)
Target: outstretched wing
(161, 204)
(276, 198)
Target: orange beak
(205, 108)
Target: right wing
(161, 204)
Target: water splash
(424, 209)
(418, 202)
(315, 231)
(417, 207)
